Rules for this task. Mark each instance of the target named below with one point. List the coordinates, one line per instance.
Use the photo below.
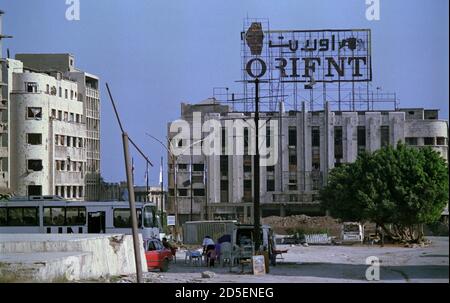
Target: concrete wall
(70, 257)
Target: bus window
(54, 216)
(22, 216)
(30, 217)
(3, 216)
(76, 215)
(122, 217)
(148, 217)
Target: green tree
(400, 189)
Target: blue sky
(157, 54)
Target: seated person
(209, 250)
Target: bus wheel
(164, 266)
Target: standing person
(209, 250)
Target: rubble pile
(303, 223)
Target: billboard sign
(342, 55)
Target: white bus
(55, 215)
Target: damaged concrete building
(51, 142)
(310, 144)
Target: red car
(157, 256)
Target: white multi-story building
(309, 145)
(51, 146)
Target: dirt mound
(303, 224)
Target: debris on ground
(208, 274)
(304, 224)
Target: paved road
(332, 264)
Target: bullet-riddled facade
(309, 145)
(53, 127)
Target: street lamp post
(175, 168)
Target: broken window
(34, 190)
(35, 165)
(34, 113)
(31, 87)
(34, 139)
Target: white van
(352, 232)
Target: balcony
(69, 178)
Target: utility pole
(128, 167)
(136, 242)
(190, 181)
(256, 171)
(162, 190)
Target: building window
(34, 113)
(247, 168)
(68, 141)
(428, 141)
(247, 190)
(182, 166)
(361, 139)
(315, 150)
(60, 92)
(66, 93)
(292, 185)
(77, 118)
(224, 139)
(60, 115)
(224, 165)
(54, 113)
(47, 89)
(66, 116)
(338, 147)
(199, 192)
(182, 192)
(199, 167)
(270, 185)
(34, 190)
(384, 136)
(268, 134)
(270, 168)
(411, 141)
(72, 117)
(440, 141)
(292, 136)
(34, 139)
(35, 165)
(71, 94)
(31, 87)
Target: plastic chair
(226, 254)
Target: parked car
(157, 256)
